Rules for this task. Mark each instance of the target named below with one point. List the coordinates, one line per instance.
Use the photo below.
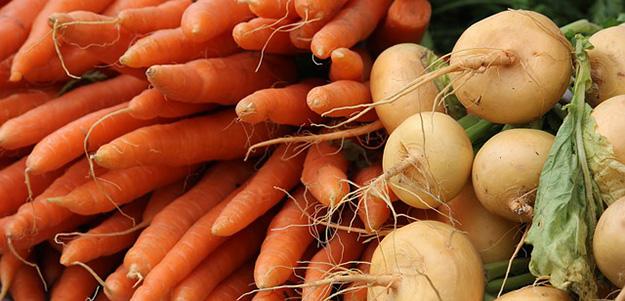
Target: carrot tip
(196, 30)
(15, 76)
(55, 200)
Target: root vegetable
(610, 124)
(607, 59)
(609, 243)
(536, 293)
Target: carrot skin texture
(151, 104)
(274, 9)
(234, 286)
(118, 286)
(325, 175)
(39, 122)
(9, 266)
(206, 19)
(172, 46)
(120, 5)
(152, 245)
(372, 210)
(355, 22)
(286, 241)
(203, 80)
(19, 103)
(119, 187)
(318, 8)
(16, 19)
(346, 65)
(77, 61)
(340, 94)
(152, 18)
(361, 293)
(280, 105)
(282, 170)
(76, 284)
(261, 34)
(405, 22)
(214, 137)
(27, 285)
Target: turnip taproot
(506, 171)
(610, 123)
(607, 59)
(609, 243)
(536, 293)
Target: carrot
(101, 297)
(31, 240)
(19, 103)
(372, 209)
(206, 19)
(50, 266)
(204, 80)
(77, 61)
(171, 223)
(264, 35)
(357, 290)
(120, 5)
(281, 294)
(13, 190)
(310, 9)
(9, 266)
(327, 100)
(152, 18)
(161, 198)
(118, 187)
(118, 287)
(151, 104)
(406, 22)
(32, 126)
(342, 248)
(280, 105)
(217, 266)
(77, 284)
(27, 285)
(287, 239)
(66, 143)
(16, 18)
(355, 22)
(214, 137)
(40, 215)
(265, 189)
(170, 46)
(346, 65)
(274, 9)
(39, 47)
(325, 175)
(302, 35)
(235, 285)
(92, 246)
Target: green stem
(498, 269)
(489, 297)
(582, 26)
(512, 283)
(478, 130)
(468, 120)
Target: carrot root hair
(95, 275)
(26, 262)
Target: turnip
(607, 59)
(609, 117)
(494, 237)
(609, 243)
(536, 293)
(426, 260)
(506, 171)
(427, 160)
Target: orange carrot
(406, 22)
(16, 18)
(274, 9)
(118, 187)
(89, 247)
(77, 61)
(355, 22)
(235, 285)
(372, 209)
(325, 175)
(151, 104)
(217, 266)
(264, 35)
(77, 284)
(302, 35)
(101, 297)
(171, 223)
(220, 80)
(19, 103)
(346, 65)
(39, 47)
(50, 266)
(287, 239)
(32, 126)
(118, 286)
(152, 18)
(13, 189)
(31, 240)
(360, 294)
(214, 137)
(161, 198)
(342, 248)
(170, 46)
(9, 266)
(27, 285)
(206, 19)
(66, 143)
(121, 5)
(321, 9)
(282, 294)
(325, 99)
(265, 189)
(280, 105)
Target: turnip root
(609, 116)
(607, 59)
(536, 293)
(506, 171)
(426, 260)
(494, 237)
(427, 160)
(609, 243)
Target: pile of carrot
(165, 176)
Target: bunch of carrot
(133, 186)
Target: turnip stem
(512, 283)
